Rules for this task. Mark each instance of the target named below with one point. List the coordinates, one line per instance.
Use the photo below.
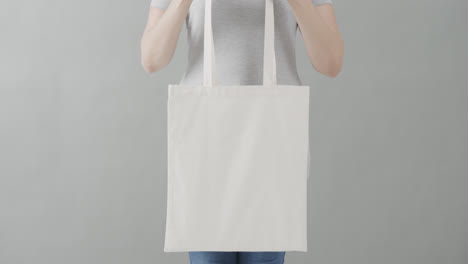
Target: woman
(238, 35)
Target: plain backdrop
(83, 136)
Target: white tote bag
(237, 160)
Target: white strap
(208, 53)
(269, 60)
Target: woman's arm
(162, 31)
(321, 36)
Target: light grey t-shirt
(238, 32)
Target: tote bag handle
(269, 60)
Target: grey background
(82, 136)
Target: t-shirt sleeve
(163, 4)
(318, 2)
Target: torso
(238, 32)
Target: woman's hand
(321, 36)
(161, 34)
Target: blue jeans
(218, 257)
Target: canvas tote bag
(237, 160)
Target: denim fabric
(209, 257)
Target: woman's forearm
(322, 40)
(159, 40)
